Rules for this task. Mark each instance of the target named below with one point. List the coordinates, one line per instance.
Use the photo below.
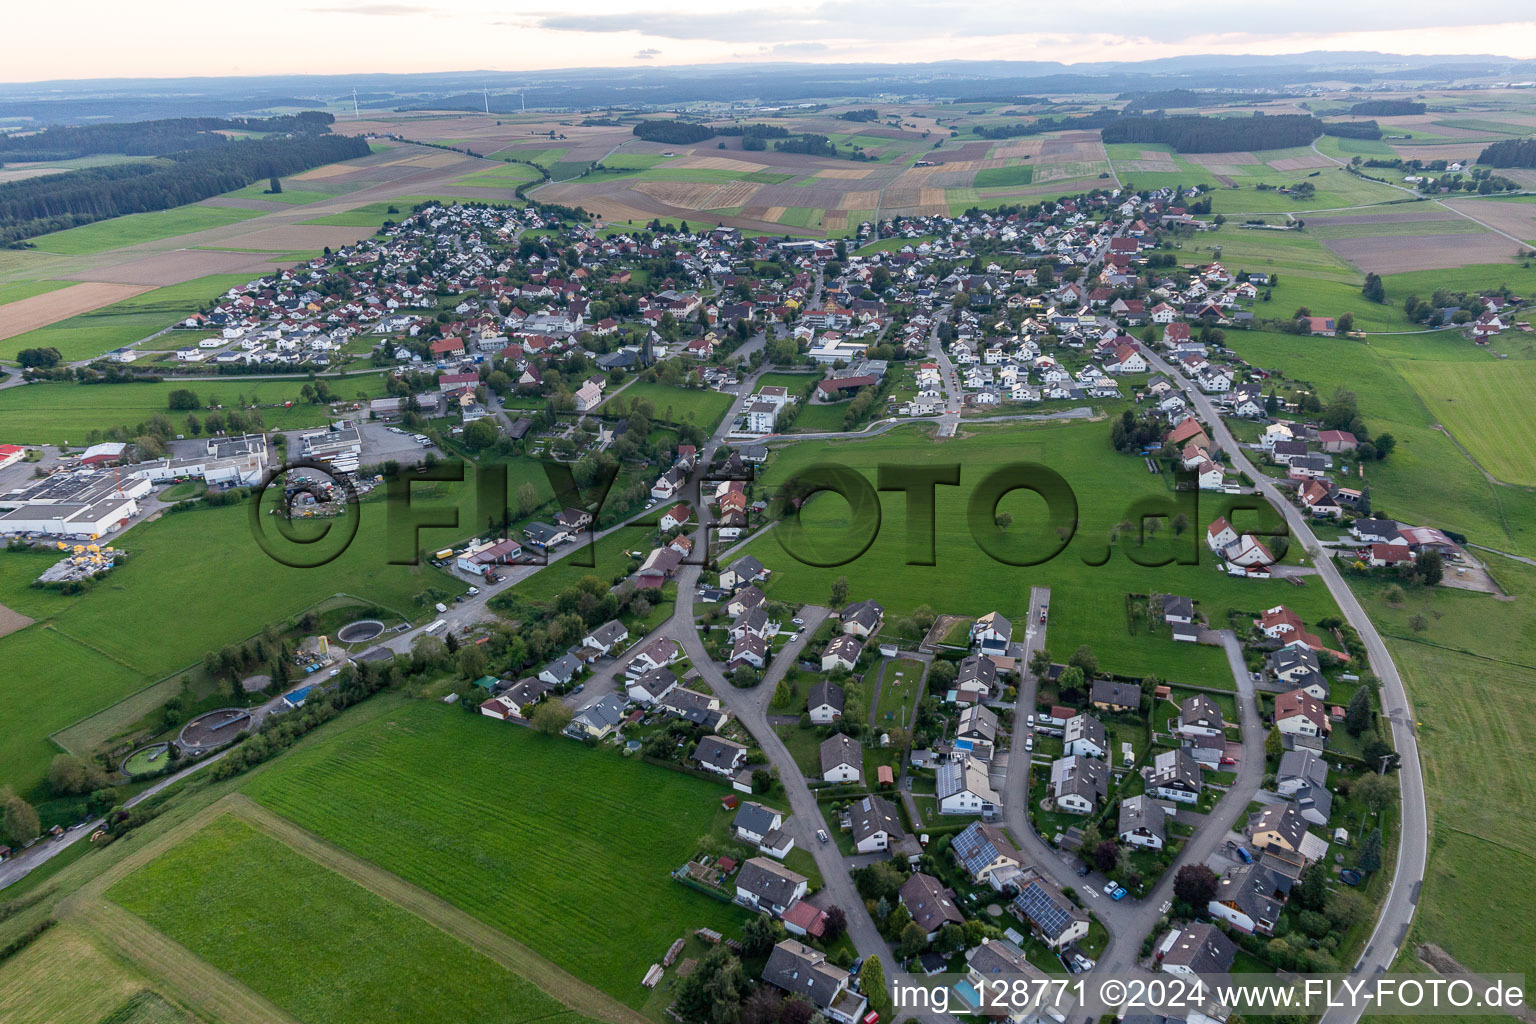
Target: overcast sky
(174, 38)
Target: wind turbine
(356, 114)
(487, 93)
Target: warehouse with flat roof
(85, 503)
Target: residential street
(1397, 912)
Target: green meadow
(553, 844)
(315, 943)
(1091, 577)
(139, 227)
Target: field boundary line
(474, 933)
(1492, 842)
(53, 625)
(207, 989)
(196, 982)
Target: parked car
(1242, 851)
(798, 621)
(821, 834)
(1084, 870)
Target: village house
(764, 885)
(1142, 822)
(825, 702)
(842, 759)
(930, 903)
(803, 971)
(874, 824)
(986, 855)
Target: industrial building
(86, 503)
(340, 444)
(231, 461)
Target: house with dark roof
(804, 971)
(607, 636)
(825, 702)
(1175, 775)
(1277, 825)
(768, 886)
(1142, 822)
(931, 904)
(842, 759)
(763, 828)
(991, 634)
(1199, 717)
(1078, 784)
(1085, 735)
(1054, 918)
(976, 677)
(1199, 948)
(874, 823)
(842, 652)
(741, 572)
(1249, 899)
(720, 755)
(652, 686)
(863, 618)
(999, 962)
(1111, 696)
(987, 855)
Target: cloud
(872, 21)
(793, 48)
(378, 10)
(647, 54)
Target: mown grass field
(703, 407)
(1088, 600)
(316, 944)
(139, 227)
(1490, 407)
(14, 291)
(63, 978)
(501, 176)
(290, 196)
(101, 330)
(211, 584)
(1471, 681)
(60, 413)
(541, 837)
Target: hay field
(574, 806)
(363, 958)
(1490, 407)
(63, 978)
